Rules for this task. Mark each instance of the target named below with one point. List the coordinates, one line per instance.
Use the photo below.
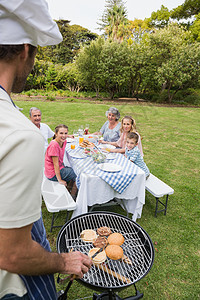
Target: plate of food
(86, 144)
(110, 167)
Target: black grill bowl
(137, 246)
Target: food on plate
(104, 231)
(114, 252)
(86, 143)
(100, 242)
(116, 238)
(99, 258)
(88, 235)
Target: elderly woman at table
(54, 168)
(110, 129)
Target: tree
(104, 65)
(175, 60)
(114, 20)
(187, 10)
(160, 18)
(137, 29)
(195, 28)
(68, 77)
(62, 53)
(117, 20)
(73, 37)
(87, 63)
(81, 36)
(114, 67)
(182, 70)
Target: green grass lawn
(172, 152)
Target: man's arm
(21, 255)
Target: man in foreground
(35, 117)
(26, 263)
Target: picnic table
(97, 186)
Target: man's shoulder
(44, 125)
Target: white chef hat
(27, 22)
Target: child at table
(54, 168)
(132, 152)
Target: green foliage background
(154, 58)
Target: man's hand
(75, 263)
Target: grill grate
(137, 246)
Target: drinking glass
(80, 140)
(75, 133)
(80, 130)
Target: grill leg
(104, 296)
(112, 296)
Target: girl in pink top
(54, 168)
(127, 125)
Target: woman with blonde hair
(128, 124)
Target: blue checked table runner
(117, 180)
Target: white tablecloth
(94, 190)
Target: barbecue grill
(111, 276)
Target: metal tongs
(98, 251)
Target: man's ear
(24, 54)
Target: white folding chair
(56, 198)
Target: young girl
(127, 125)
(54, 168)
(133, 153)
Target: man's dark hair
(8, 52)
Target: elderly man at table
(26, 263)
(35, 117)
(111, 128)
